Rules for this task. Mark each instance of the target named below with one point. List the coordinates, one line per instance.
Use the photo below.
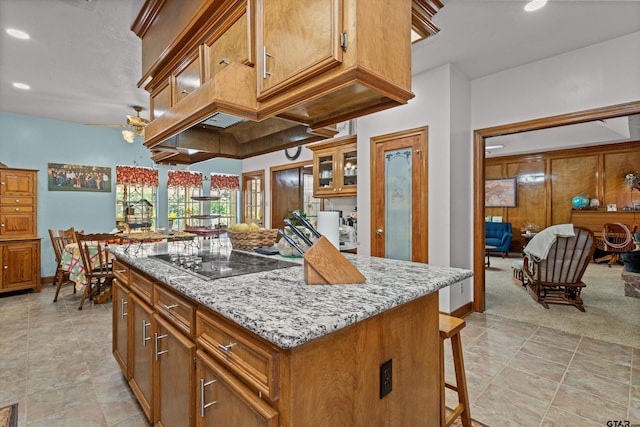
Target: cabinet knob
(17, 200)
(184, 92)
(2, 225)
(224, 61)
(335, 189)
(6, 267)
(379, 231)
(17, 209)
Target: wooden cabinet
(19, 244)
(307, 64)
(20, 265)
(298, 41)
(174, 373)
(121, 318)
(141, 353)
(335, 168)
(224, 401)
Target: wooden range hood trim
(286, 106)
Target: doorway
(399, 195)
(479, 136)
(292, 189)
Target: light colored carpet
(610, 315)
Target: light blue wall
(32, 142)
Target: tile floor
(56, 363)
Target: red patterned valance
(136, 176)
(185, 179)
(225, 182)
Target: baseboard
(45, 280)
(463, 311)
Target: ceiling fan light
(128, 136)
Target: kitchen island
(270, 350)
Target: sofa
(498, 234)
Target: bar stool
(450, 328)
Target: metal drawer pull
(265, 55)
(122, 304)
(158, 337)
(121, 271)
(227, 347)
(224, 61)
(145, 338)
(203, 405)
(169, 307)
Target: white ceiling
(83, 62)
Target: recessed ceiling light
(17, 34)
(22, 86)
(493, 147)
(534, 5)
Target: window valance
(225, 182)
(136, 176)
(184, 179)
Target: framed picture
(500, 193)
(65, 177)
(612, 207)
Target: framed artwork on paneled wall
(65, 177)
(500, 193)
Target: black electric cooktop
(214, 266)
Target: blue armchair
(498, 234)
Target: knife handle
(291, 242)
(298, 233)
(306, 223)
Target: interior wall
(32, 142)
(595, 76)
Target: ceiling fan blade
(106, 125)
(137, 121)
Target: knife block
(325, 265)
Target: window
(136, 197)
(182, 187)
(253, 197)
(227, 187)
(311, 205)
(181, 206)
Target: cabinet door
(17, 183)
(224, 401)
(121, 326)
(161, 100)
(187, 79)
(347, 182)
(298, 40)
(17, 225)
(20, 265)
(174, 357)
(231, 46)
(141, 353)
(324, 169)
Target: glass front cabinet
(335, 168)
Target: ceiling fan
(135, 125)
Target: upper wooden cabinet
(310, 63)
(335, 168)
(297, 41)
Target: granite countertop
(279, 306)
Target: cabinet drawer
(16, 208)
(255, 363)
(141, 286)
(16, 200)
(121, 272)
(177, 309)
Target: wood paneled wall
(547, 181)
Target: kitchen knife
(290, 241)
(298, 233)
(306, 223)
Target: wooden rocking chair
(558, 278)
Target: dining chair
(59, 240)
(557, 279)
(98, 266)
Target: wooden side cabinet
(335, 168)
(19, 244)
